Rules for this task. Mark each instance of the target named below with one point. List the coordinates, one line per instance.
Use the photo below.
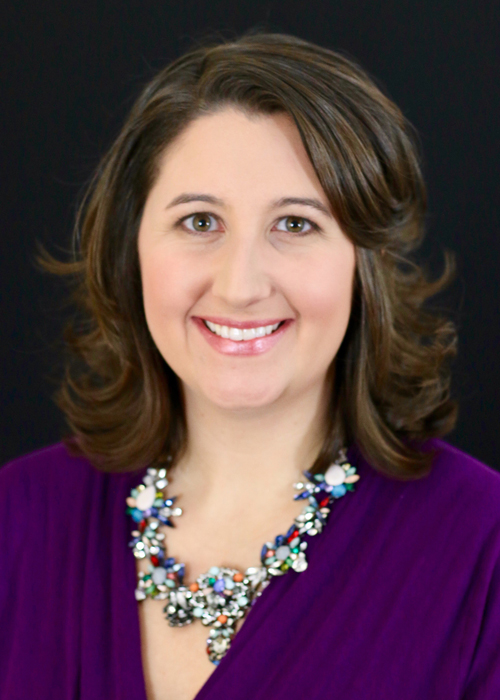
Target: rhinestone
(139, 595)
(148, 480)
(161, 483)
(162, 473)
(312, 531)
(300, 565)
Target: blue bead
(292, 529)
(170, 561)
(279, 540)
(263, 552)
(338, 491)
(219, 585)
(136, 515)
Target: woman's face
(237, 235)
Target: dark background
(70, 71)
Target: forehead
(233, 153)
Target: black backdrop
(70, 72)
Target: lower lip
(242, 347)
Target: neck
(237, 455)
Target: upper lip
(241, 324)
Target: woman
(250, 313)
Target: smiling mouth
(239, 334)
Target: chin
(241, 398)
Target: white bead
(335, 475)
(159, 575)
(146, 498)
(282, 552)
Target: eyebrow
(283, 202)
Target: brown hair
(390, 389)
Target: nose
(242, 272)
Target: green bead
(284, 567)
(295, 550)
(211, 581)
(289, 561)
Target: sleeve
(483, 680)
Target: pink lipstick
(256, 346)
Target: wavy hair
(390, 391)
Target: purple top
(401, 598)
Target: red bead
(324, 502)
(155, 560)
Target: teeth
(240, 333)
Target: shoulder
(40, 468)
(465, 478)
(460, 496)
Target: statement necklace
(221, 596)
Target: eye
(199, 223)
(298, 225)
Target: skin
(255, 422)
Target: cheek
(325, 297)
(168, 289)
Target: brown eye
(199, 222)
(296, 224)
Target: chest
(175, 661)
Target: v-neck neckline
(132, 642)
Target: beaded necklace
(222, 596)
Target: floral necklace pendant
(222, 596)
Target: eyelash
(312, 224)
